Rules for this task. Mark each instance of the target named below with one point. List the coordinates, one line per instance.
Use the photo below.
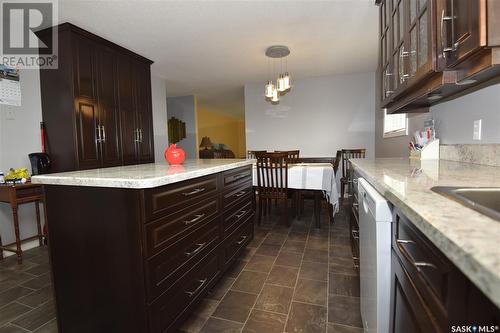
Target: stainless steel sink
(485, 200)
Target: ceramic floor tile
(260, 263)
(283, 276)
(38, 297)
(346, 285)
(294, 246)
(344, 310)
(261, 321)
(306, 318)
(13, 294)
(275, 299)
(37, 317)
(311, 291)
(289, 259)
(314, 271)
(220, 289)
(250, 282)
(336, 328)
(11, 311)
(235, 306)
(268, 250)
(319, 256)
(215, 325)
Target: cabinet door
(463, 29)
(128, 119)
(386, 51)
(86, 109)
(144, 113)
(409, 313)
(400, 49)
(108, 118)
(419, 39)
(87, 119)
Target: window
(395, 124)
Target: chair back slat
(348, 154)
(293, 155)
(272, 175)
(251, 153)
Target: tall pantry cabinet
(97, 105)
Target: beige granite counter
(142, 175)
(469, 239)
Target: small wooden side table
(16, 195)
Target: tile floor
(297, 279)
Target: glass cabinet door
(419, 38)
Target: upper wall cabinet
(97, 105)
(433, 49)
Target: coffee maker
(40, 163)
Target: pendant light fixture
(273, 91)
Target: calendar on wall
(10, 86)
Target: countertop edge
(485, 279)
(127, 183)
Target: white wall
(318, 116)
(454, 122)
(159, 101)
(18, 138)
(455, 118)
(184, 108)
(21, 136)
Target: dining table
(317, 177)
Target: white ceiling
(212, 48)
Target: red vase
(174, 155)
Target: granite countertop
(142, 175)
(469, 239)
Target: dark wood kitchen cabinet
(139, 260)
(429, 293)
(432, 50)
(97, 110)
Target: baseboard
(24, 246)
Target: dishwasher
(375, 219)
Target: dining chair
(346, 155)
(251, 153)
(272, 182)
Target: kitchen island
(134, 248)
(445, 256)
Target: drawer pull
(239, 194)
(197, 290)
(417, 264)
(235, 178)
(198, 248)
(355, 234)
(238, 216)
(242, 240)
(195, 191)
(196, 219)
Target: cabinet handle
(140, 135)
(98, 136)
(136, 135)
(417, 264)
(238, 216)
(242, 240)
(196, 219)
(195, 191)
(239, 194)
(445, 19)
(198, 248)
(355, 234)
(194, 292)
(103, 139)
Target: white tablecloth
(312, 176)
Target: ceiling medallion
(274, 89)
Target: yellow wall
(222, 128)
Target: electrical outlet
(477, 130)
(10, 115)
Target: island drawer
(169, 199)
(237, 176)
(235, 216)
(164, 269)
(430, 270)
(236, 194)
(238, 240)
(169, 229)
(173, 304)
